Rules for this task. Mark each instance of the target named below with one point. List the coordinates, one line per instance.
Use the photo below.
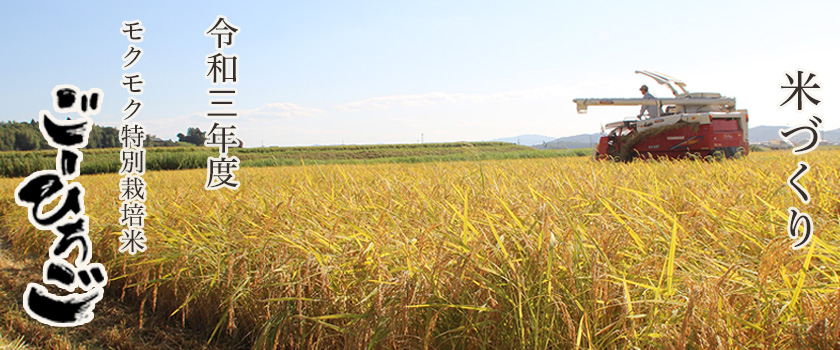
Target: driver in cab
(653, 111)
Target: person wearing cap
(653, 111)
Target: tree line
(22, 136)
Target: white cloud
(277, 109)
(282, 109)
(435, 98)
(169, 127)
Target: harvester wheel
(739, 152)
(631, 156)
(696, 156)
(730, 152)
(719, 154)
(735, 152)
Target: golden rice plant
(502, 254)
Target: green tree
(109, 137)
(25, 140)
(194, 136)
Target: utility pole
(421, 137)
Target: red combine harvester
(692, 125)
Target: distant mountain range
(758, 134)
(576, 141)
(526, 140)
(767, 133)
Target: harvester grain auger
(692, 125)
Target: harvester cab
(692, 125)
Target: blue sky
(386, 71)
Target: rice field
(499, 254)
(107, 160)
